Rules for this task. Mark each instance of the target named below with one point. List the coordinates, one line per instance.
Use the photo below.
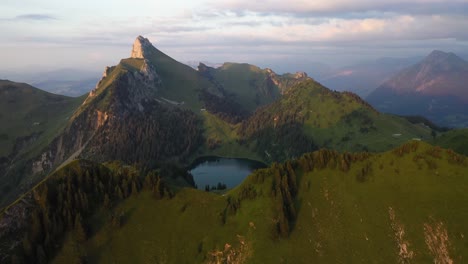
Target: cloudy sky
(284, 35)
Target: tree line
(65, 201)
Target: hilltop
(310, 116)
(30, 118)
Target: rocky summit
(140, 47)
(80, 178)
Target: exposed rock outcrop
(128, 91)
(140, 47)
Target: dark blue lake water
(229, 171)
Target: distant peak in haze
(439, 53)
(140, 47)
(447, 59)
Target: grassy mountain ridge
(31, 119)
(402, 205)
(313, 116)
(325, 197)
(26, 109)
(248, 85)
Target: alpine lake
(222, 173)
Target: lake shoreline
(220, 172)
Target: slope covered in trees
(29, 120)
(346, 207)
(398, 206)
(32, 227)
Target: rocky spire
(140, 47)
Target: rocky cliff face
(140, 46)
(285, 81)
(124, 104)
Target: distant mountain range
(66, 81)
(436, 87)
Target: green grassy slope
(181, 83)
(248, 83)
(25, 110)
(328, 119)
(405, 205)
(251, 87)
(455, 139)
(222, 139)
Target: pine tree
(80, 232)
(107, 201)
(134, 188)
(41, 257)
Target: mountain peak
(438, 53)
(140, 47)
(444, 58)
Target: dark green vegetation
(65, 201)
(310, 116)
(454, 139)
(26, 111)
(30, 118)
(405, 205)
(248, 86)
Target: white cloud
(337, 6)
(267, 29)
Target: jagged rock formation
(126, 93)
(140, 45)
(285, 81)
(124, 118)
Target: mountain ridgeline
(150, 109)
(435, 88)
(30, 118)
(309, 116)
(365, 77)
(95, 172)
(145, 111)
